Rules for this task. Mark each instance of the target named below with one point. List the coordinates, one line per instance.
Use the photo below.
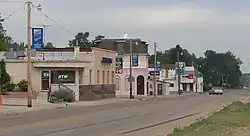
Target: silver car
(216, 91)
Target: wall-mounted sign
(37, 38)
(135, 60)
(152, 73)
(63, 76)
(106, 60)
(119, 65)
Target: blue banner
(134, 60)
(37, 38)
(158, 66)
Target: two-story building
(139, 61)
(76, 68)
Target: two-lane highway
(133, 118)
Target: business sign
(119, 65)
(181, 67)
(37, 38)
(134, 60)
(152, 73)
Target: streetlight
(39, 7)
(130, 64)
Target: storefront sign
(106, 60)
(119, 65)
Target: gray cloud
(196, 26)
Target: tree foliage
(212, 66)
(4, 76)
(49, 45)
(82, 40)
(3, 37)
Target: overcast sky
(196, 25)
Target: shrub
(65, 94)
(23, 84)
(9, 86)
(3, 92)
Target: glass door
(45, 80)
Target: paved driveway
(133, 118)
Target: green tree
(170, 56)
(49, 45)
(4, 76)
(3, 38)
(97, 38)
(81, 39)
(215, 65)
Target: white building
(189, 81)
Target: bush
(23, 85)
(64, 94)
(9, 86)
(3, 92)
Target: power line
(47, 16)
(10, 15)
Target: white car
(214, 91)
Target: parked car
(216, 91)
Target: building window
(62, 76)
(113, 76)
(171, 85)
(117, 84)
(98, 77)
(80, 76)
(90, 76)
(127, 84)
(108, 77)
(151, 86)
(103, 77)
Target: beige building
(74, 68)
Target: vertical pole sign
(135, 60)
(37, 39)
(158, 68)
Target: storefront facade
(71, 67)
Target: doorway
(45, 80)
(159, 88)
(140, 85)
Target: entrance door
(184, 87)
(140, 85)
(159, 88)
(45, 80)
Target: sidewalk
(15, 106)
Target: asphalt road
(133, 118)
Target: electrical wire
(47, 16)
(10, 15)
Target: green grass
(233, 120)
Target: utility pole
(44, 32)
(178, 70)
(155, 69)
(130, 70)
(29, 100)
